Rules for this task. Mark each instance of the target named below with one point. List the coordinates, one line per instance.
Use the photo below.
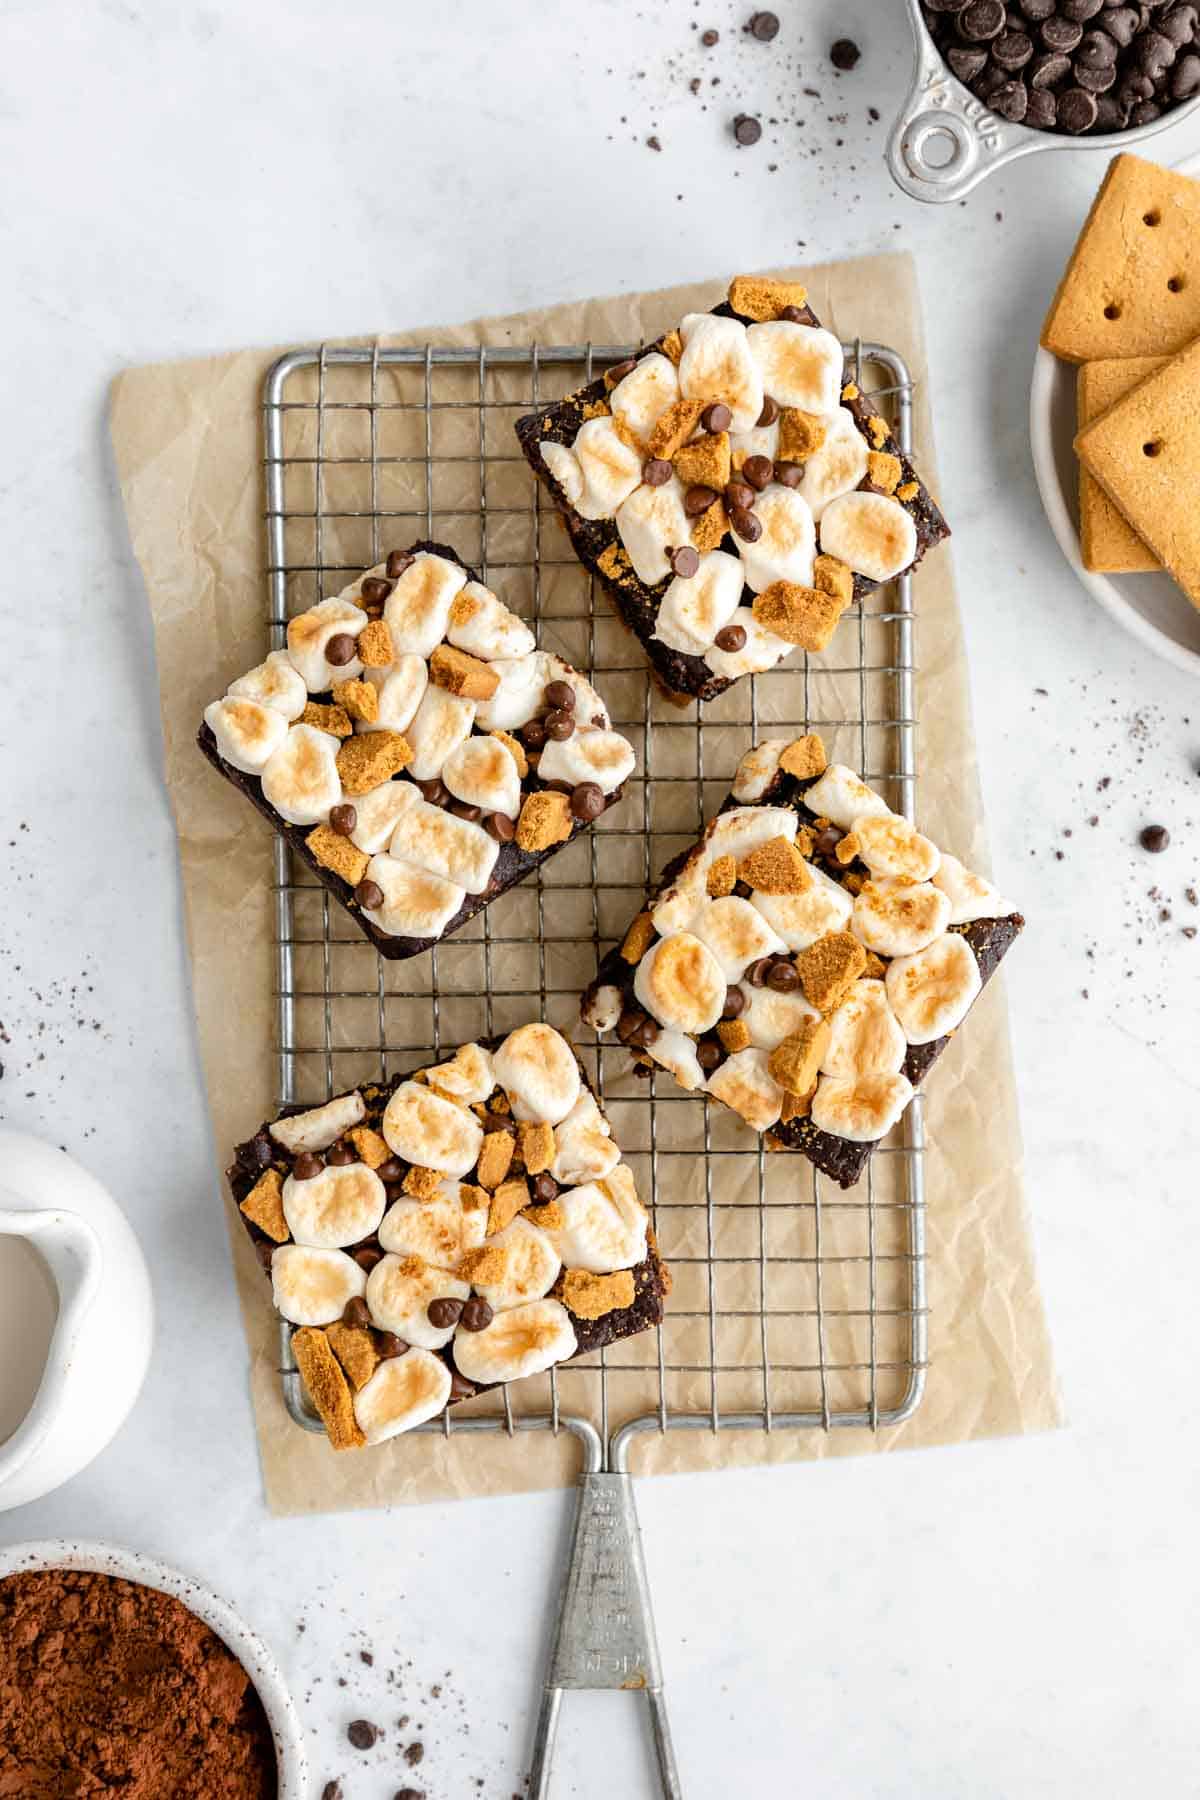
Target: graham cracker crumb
(672, 347)
(638, 938)
(800, 433)
(360, 699)
(706, 463)
(759, 298)
(775, 867)
(796, 1062)
(796, 1106)
(829, 968)
(722, 877)
(422, 1184)
(545, 820)
(334, 719)
(596, 409)
(734, 1034)
(499, 1101)
(710, 527)
(494, 1159)
(830, 576)
(850, 391)
(368, 761)
(355, 1350)
(876, 968)
(804, 840)
(537, 1147)
(263, 1206)
(847, 849)
(472, 1197)
(462, 674)
(878, 429)
(675, 427)
(510, 1198)
(516, 750)
(804, 757)
(375, 647)
(550, 1217)
(613, 561)
(333, 851)
(800, 615)
(853, 883)
(487, 1264)
(908, 490)
(591, 1296)
(327, 1387)
(883, 470)
(370, 1146)
(463, 608)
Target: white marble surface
(1015, 1619)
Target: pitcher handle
(72, 1250)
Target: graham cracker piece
(355, 1349)
(1145, 453)
(1132, 285)
(537, 1147)
(672, 347)
(516, 750)
(710, 527)
(370, 1146)
(761, 297)
(675, 427)
(800, 433)
(360, 699)
(487, 1264)
(473, 1197)
(494, 1159)
(796, 1106)
(600, 409)
(375, 647)
(721, 878)
(328, 1388)
(734, 1034)
(775, 867)
(510, 1198)
(799, 615)
(334, 719)
(706, 463)
(831, 576)
(876, 968)
(333, 851)
(459, 673)
(591, 1296)
(638, 938)
(908, 490)
(850, 391)
(613, 561)
(796, 1062)
(422, 1184)
(877, 430)
(550, 1217)
(365, 762)
(545, 820)
(829, 968)
(804, 758)
(883, 471)
(263, 1206)
(1107, 540)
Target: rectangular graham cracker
(1107, 540)
(1145, 453)
(1132, 286)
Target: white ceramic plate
(246, 1645)
(1151, 607)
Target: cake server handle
(604, 1637)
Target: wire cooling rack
(795, 1305)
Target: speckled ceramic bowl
(246, 1645)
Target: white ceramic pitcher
(100, 1348)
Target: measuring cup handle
(944, 140)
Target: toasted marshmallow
(641, 398)
(745, 1083)
(399, 1289)
(604, 757)
(694, 610)
(842, 798)
(484, 627)
(531, 1266)
(416, 903)
(717, 365)
(537, 1069)
(734, 833)
(838, 466)
(898, 918)
(604, 1225)
(871, 533)
(610, 468)
(800, 919)
(378, 811)
(248, 733)
(770, 1017)
(970, 896)
(403, 1393)
(520, 693)
(468, 1077)
(308, 634)
(339, 1206)
(758, 769)
(933, 990)
(320, 1127)
(300, 778)
(276, 683)
(583, 1146)
(589, 707)
(440, 1231)
(433, 1133)
(457, 849)
(864, 1035)
(736, 933)
(440, 724)
(311, 1287)
(676, 1052)
(525, 1340)
(889, 845)
(679, 982)
(483, 773)
(401, 689)
(563, 464)
(800, 365)
(602, 1007)
(417, 611)
(786, 549)
(862, 1110)
(762, 441)
(761, 650)
(651, 521)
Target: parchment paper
(188, 448)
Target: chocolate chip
(826, 841)
(1012, 50)
(746, 129)
(391, 1169)
(501, 827)
(1154, 54)
(1061, 34)
(559, 724)
(1155, 838)
(1185, 78)
(1179, 24)
(435, 792)
(1121, 24)
(643, 1070)
(262, 1151)
(343, 819)
(789, 474)
(645, 1034)
(460, 1387)
(1111, 115)
(561, 695)
(341, 649)
(716, 418)
(630, 1023)
(368, 1256)
(759, 471)
(735, 1003)
(742, 889)
(709, 38)
(982, 20)
(708, 1054)
(587, 801)
(770, 411)
(545, 1188)
(332, 1791)
(477, 1315)
(657, 472)
(1095, 81)
(369, 895)
(739, 493)
(1080, 10)
(844, 54)
(620, 370)
(356, 1312)
(374, 590)
(414, 1754)
(340, 1156)
(764, 26)
(795, 315)
(388, 1345)
(1096, 51)
(444, 1313)
(731, 638)
(533, 735)
(1047, 70)
(306, 1166)
(1042, 110)
(463, 809)
(1011, 101)
(698, 499)
(967, 62)
(1037, 10)
(782, 976)
(1076, 110)
(758, 971)
(409, 1793)
(685, 561)
(397, 562)
(362, 1734)
(747, 527)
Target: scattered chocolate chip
(657, 471)
(1155, 838)
(369, 895)
(460, 1387)
(560, 694)
(366, 1256)
(620, 370)
(414, 1754)
(533, 735)
(844, 54)
(343, 819)
(477, 1315)
(794, 315)
(501, 827)
(262, 1150)
(826, 841)
(770, 411)
(685, 561)
(356, 1312)
(545, 1188)
(747, 527)
(332, 1791)
(643, 1070)
(746, 130)
(362, 1734)
(782, 976)
(739, 493)
(559, 724)
(698, 499)
(708, 1054)
(374, 590)
(759, 471)
(444, 1313)
(587, 801)
(341, 649)
(389, 1345)
(735, 1003)
(391, 1169)
(709, 38)
(306, 1166)
(731, 638)
(435, 792)
(758, 971)
(340, 1156)
(409, 1793)
(463, 809)
(789, 474)
(764, 26)
(716, 418)
(397, 562)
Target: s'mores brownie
(732, 488)
(807, 961)
(416, 749)
(468, 1224)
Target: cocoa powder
(108, 1687)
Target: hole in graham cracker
(1176, 284)
(1153, 217)
(1112, 310)
(1153, 448)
